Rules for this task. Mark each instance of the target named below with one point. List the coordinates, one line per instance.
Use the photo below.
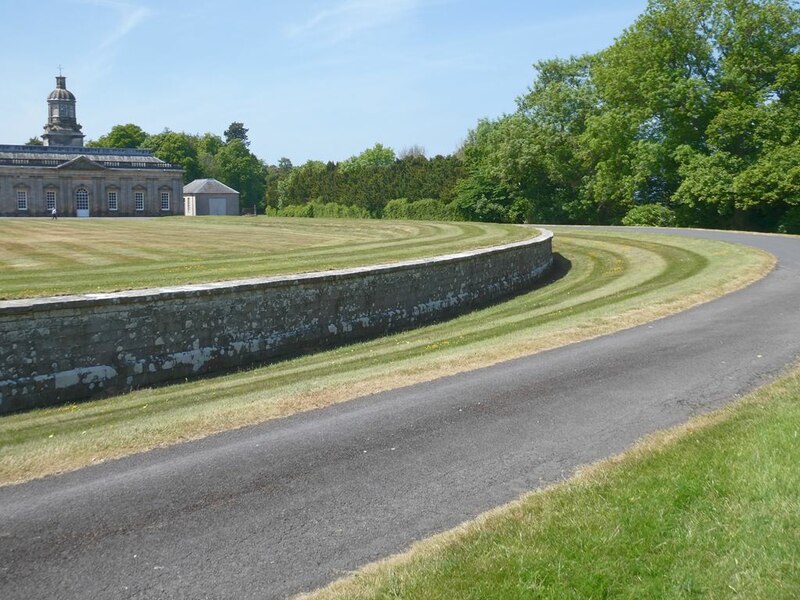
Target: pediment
(82, 163)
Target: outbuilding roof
(207, 186)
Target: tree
(241, 170)
(236, 131)
(414, 151)
(208, 145)
(481, 199)
(177, 148)
(377, 156)
(533, 163)
(34, 141)
(121, 136)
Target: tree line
(691, 117)
(370, 180)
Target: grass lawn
(615, 280)
(708, 510)
(40, 257)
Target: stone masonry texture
(69, 348)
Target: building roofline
(88, 151)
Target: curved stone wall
(67, 348)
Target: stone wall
(61, 349)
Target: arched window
(81, 199)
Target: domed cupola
(62, 127)
(61, 92)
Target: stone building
(209, 197)
(84, 182)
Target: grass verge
(615, 280)
(710, 509)
(40, 257)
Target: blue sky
(316, 80)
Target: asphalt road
(290, 505)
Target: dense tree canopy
(694, 107)
(177, 148)
(377, 156)
(239, 168)
(121, 136)
(369, 180)
(236, 131)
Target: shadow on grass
(561, 267)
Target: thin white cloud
(129, 17)
(351, 17)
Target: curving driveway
(287, 506)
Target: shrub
(650, 215)
(322, 210)
(426, 209)
(396, 209)
(296, 210)
(430, 209)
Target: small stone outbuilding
(209, 197)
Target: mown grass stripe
(616, 280)
(40, 257)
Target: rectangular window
(112, 201)
(22, 200)
(164, 200)
(139, 198)
(50, 198)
